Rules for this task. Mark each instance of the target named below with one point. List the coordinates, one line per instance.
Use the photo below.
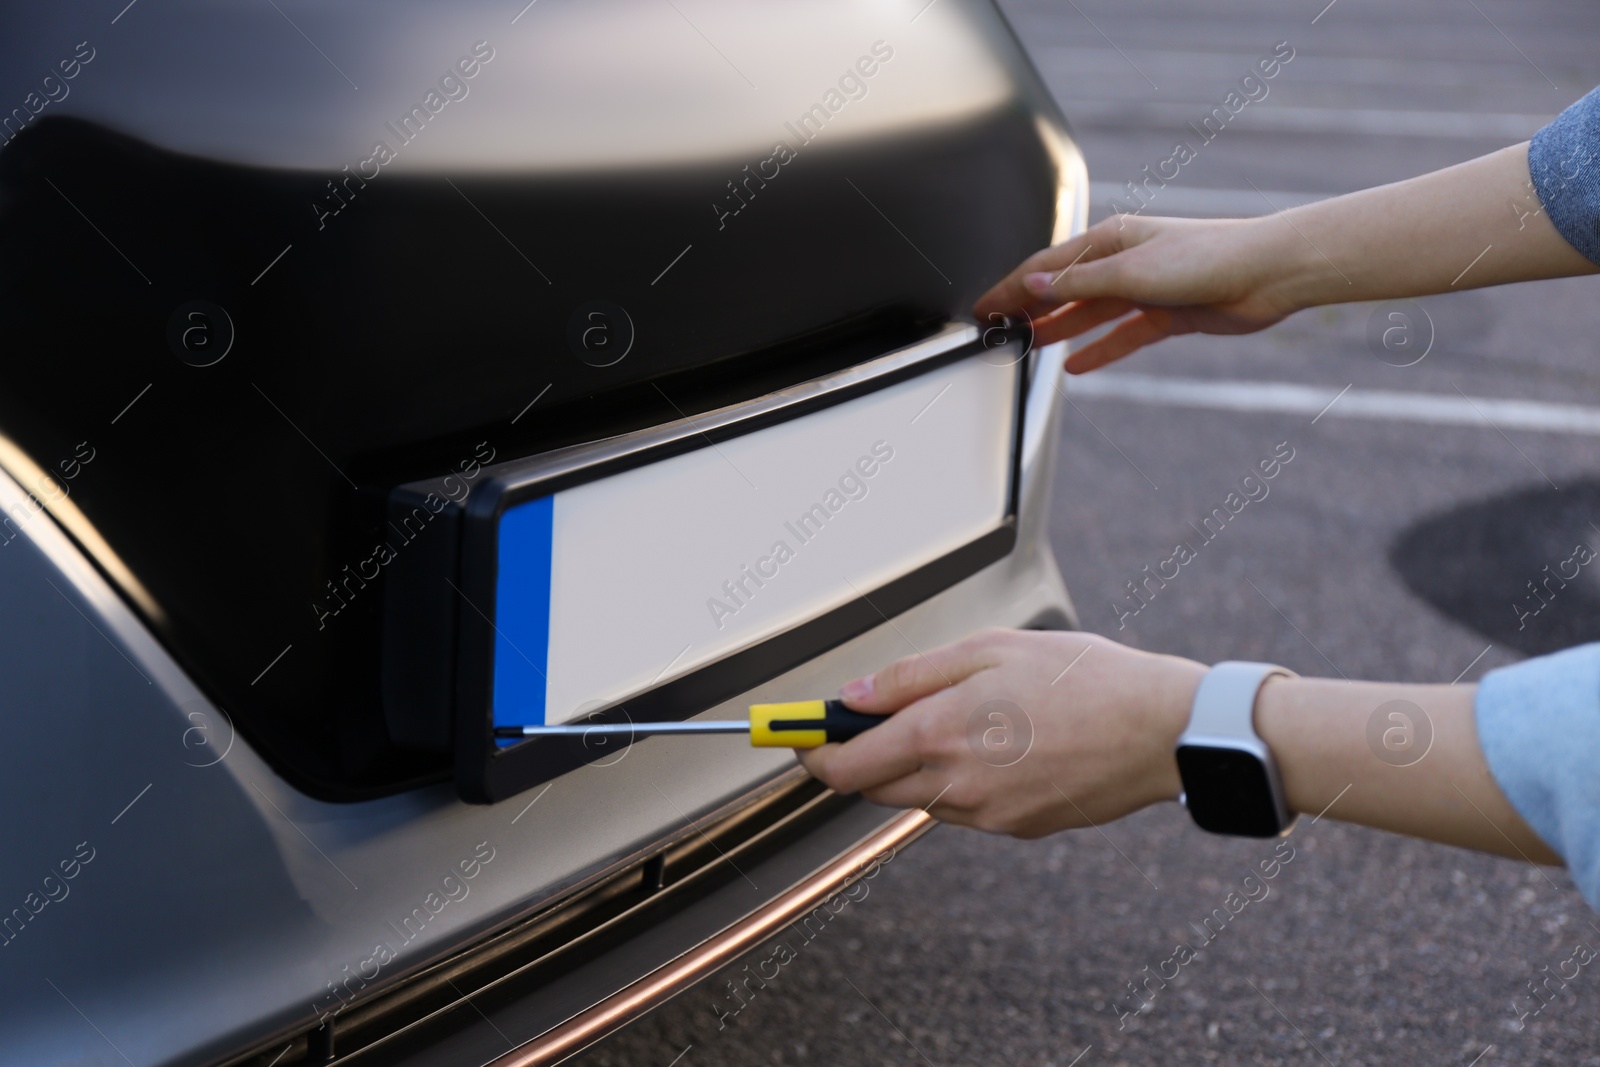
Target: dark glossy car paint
(261, 265)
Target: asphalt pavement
(1397, 543)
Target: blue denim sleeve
(1564, 162)
(1539, 728)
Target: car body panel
(195, 185)
(204, 751)
(235, 898)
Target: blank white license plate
(615, 586)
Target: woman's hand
(1103, 720)
(1169, 276)
(1025, 733)
(1477, 223)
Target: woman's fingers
(927, 789)
(923, 690)
(920, 675)
(1104, 734)
(1078, 317)
(1170, 276)
(868, 761)
(884, 754)
(1067, 271)
(1142, 329)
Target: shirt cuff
(1539, 729)
(1565, 168)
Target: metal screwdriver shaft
(797, 724)
(626, 729)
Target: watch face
(1228, 791)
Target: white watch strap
(1225, 702)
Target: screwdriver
(795, 724)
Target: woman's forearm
(1474, 224)
(1478, 223)
(1403, 758)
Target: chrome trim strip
(561, 1042)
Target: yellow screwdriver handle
(806, 723)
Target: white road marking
(1332, 402)
(1113, 44)
(1380, 404)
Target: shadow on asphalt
(1522, 568)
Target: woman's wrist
(1312, 732)
(1291, 275)
(1171, 701)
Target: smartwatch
(1230, 780)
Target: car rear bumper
(667, 981)
(303, 889)
(543, 992)
(811, 846)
